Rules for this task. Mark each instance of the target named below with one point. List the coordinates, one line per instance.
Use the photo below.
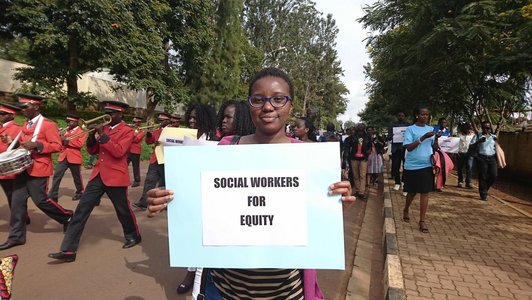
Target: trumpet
(146, 127)
(83, 124)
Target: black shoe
(438, 191)
(9, 244)
(484, 198)
(64, 256)
(76, 197)
(468, 186)
(131, 242)
(135, 184)
(187, 284)
(140, 206)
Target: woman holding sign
(270, 104)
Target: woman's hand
(157, 201)
(427, 135)
(343, 188)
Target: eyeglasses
(275, 101)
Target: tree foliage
(294, 36)
(129, 37)
(468, 61)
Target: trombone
(84, 125)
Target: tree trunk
(150, 105)
(72, 76)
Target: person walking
(155, 174)
(465, 157)
(420, 142)
(8, 132)
(69, 158)
(110, 176)
(375, 161)
(486, 159)
(133, 156)
(358, 148)
(40, 137)
(398, 150)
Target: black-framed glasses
(275, 101)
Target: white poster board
(449, 144)
(398, 134)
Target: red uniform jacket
(49, 138)
(72, 151)
(151, 140)
(112, 155)
(10, 129)
(136, 147)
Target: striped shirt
(259, 283)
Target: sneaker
(460, 184)
(135, 184)
(88, 167)
(397, 187)
(438, 191)
(405, 193)
(76, 197)
(469, 186)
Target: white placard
(258, 208)
(449, 144)
(398, 134)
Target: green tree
(294, 36)
(130, 38)
(466, 60)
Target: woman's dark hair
(242, 124)
(441, 120)
(274, 72)
(205, 119)
(311, 134)
(330, 127)
(464, 128)
(417, 110)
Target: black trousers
(135, 163)
(7, 186)
(154, 178)
(25, 186)
(60, 170)
(93, 192)
(398, 158)
(487, 173)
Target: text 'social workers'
(256, 182)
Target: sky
(351, 50)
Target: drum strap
(35, 133)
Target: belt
(486, 156)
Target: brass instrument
(84, 125)
(146, 127)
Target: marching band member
(8, 132)
(155, 172)
(70, 158)
(33, 181)
(111, 176)
(135, 151)
(176, 121)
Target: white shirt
(465, 140)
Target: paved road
(475, 249)
(103, 270)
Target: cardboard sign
(254, 206)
